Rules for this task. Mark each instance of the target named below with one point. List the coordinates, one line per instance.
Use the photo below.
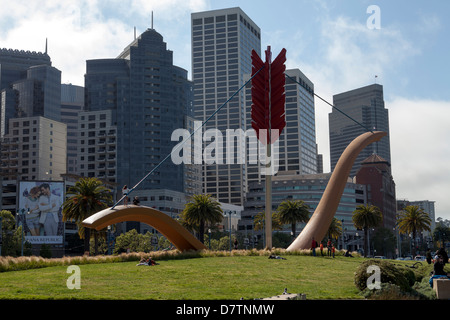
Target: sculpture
(320, 221)
(182, 239)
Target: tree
(441, 233)
(335, 229)
(10, 235)
(365, 217)
(413, 220)
(202, 209)
(260, 218)
(86, 197)
(292, 212)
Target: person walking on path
(313, 246)
(329, 248)
(125, 193)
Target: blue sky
(329, 41)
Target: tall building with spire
(133, 103)
(366, 106)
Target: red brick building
(375, 173)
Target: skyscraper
(365, 105)
(148, 98)
(222, 42)
(14, 63)
(33, 138)
(72, 102)
(29, 86)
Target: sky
(339, 45)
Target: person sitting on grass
(147, 262)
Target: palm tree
(200, 210)
(293, 212)
(412, 220)
(86, 197)
(365, 217)
(260, 218)
(335, 229)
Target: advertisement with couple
(40, 211)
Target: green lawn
(208, 278)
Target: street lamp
(109, 240)
(209, 237)
(229, 222)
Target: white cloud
(81, 30)
(420, 150)
(349, 57)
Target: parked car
(420, 258)
(380, 257)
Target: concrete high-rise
(34, 149)
(222, 42)
(72, 102)
(365, 105)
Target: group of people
(125, 192)
(147, 262)
(330, 248)
(439, 260)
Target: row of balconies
(104, 141)
(111, 133)
(10, 141)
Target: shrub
(388, 291)
(389, 273)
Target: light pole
(209, 237)
(229, 222)
(109, 240)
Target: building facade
(148, 98)
(375, 173)
(308, 188)
(222, 42)
(72, 103)
(97, 145)
(365, 105)
(427, 206)
(29, 86)
(35, 148)
(14, 63)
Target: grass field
(206, 278)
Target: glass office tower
(29, 86)
(149, 98)
(365, 105)
(222, 42)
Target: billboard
(40, 206)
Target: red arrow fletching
(268, 98)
